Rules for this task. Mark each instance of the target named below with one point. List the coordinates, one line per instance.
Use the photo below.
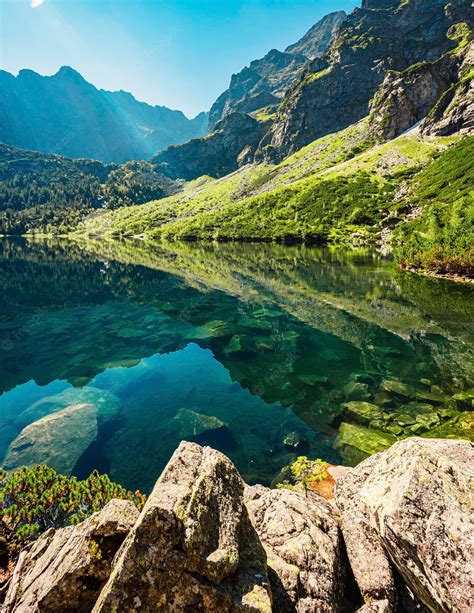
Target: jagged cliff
(207, 542)
(266, 80)
(336, 90)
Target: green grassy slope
(441, 238)
(323, 193)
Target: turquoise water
(112, 353)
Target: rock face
(216, 154)
(65, 569)
(454, 112)
(303, 545)
(409, 507)
(265, 81)
(408, 97)
(316, 41)
(193, 547)
(336, 90)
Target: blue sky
(178, 53)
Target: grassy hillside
(335, 190)
(441, 238)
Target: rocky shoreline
(395, 537)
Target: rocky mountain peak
(265, 80)
(382, 35)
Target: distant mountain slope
(264, 82)
(39, 191)
(65, 114)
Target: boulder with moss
(408, 508)
(65, 569)
(193, 547)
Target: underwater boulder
(107, 404)
(356, 443)
(362, 412)
(203, 429)
(58, 440)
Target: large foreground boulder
(304, 548)
(410, 507)
(193, 547)
(65, 569)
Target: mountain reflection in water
(113, 352)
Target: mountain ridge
(65, 114)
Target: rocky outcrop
(265, 80)
(409, 508)
(336, 90)
(206, 542)
(405, 98)
(454, 111)
(216, 154)
(193, 547)
(304, 548)
(65, 569)
(262, 83)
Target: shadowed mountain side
(65, 114)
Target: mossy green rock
(461, 426)
(465, 400)
(362, 412)
(356, 443)
(190, 423)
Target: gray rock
(65, 569)
(367, 557)
(76, 428)
(411, 505)
(193, 547)
(303, 544)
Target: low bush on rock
(38, 498)
(304, 473)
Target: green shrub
(38, 498)
(304, 472)
(441, 239)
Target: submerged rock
(355, 390)
(409, 507)
(106, 403)
(295, 441)
(362, 412)
(204, 429)
(65, 569)
(75, 427)
(193, 547)
(356, 443)
(304, 548)
(459, 427)
(190, 423)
